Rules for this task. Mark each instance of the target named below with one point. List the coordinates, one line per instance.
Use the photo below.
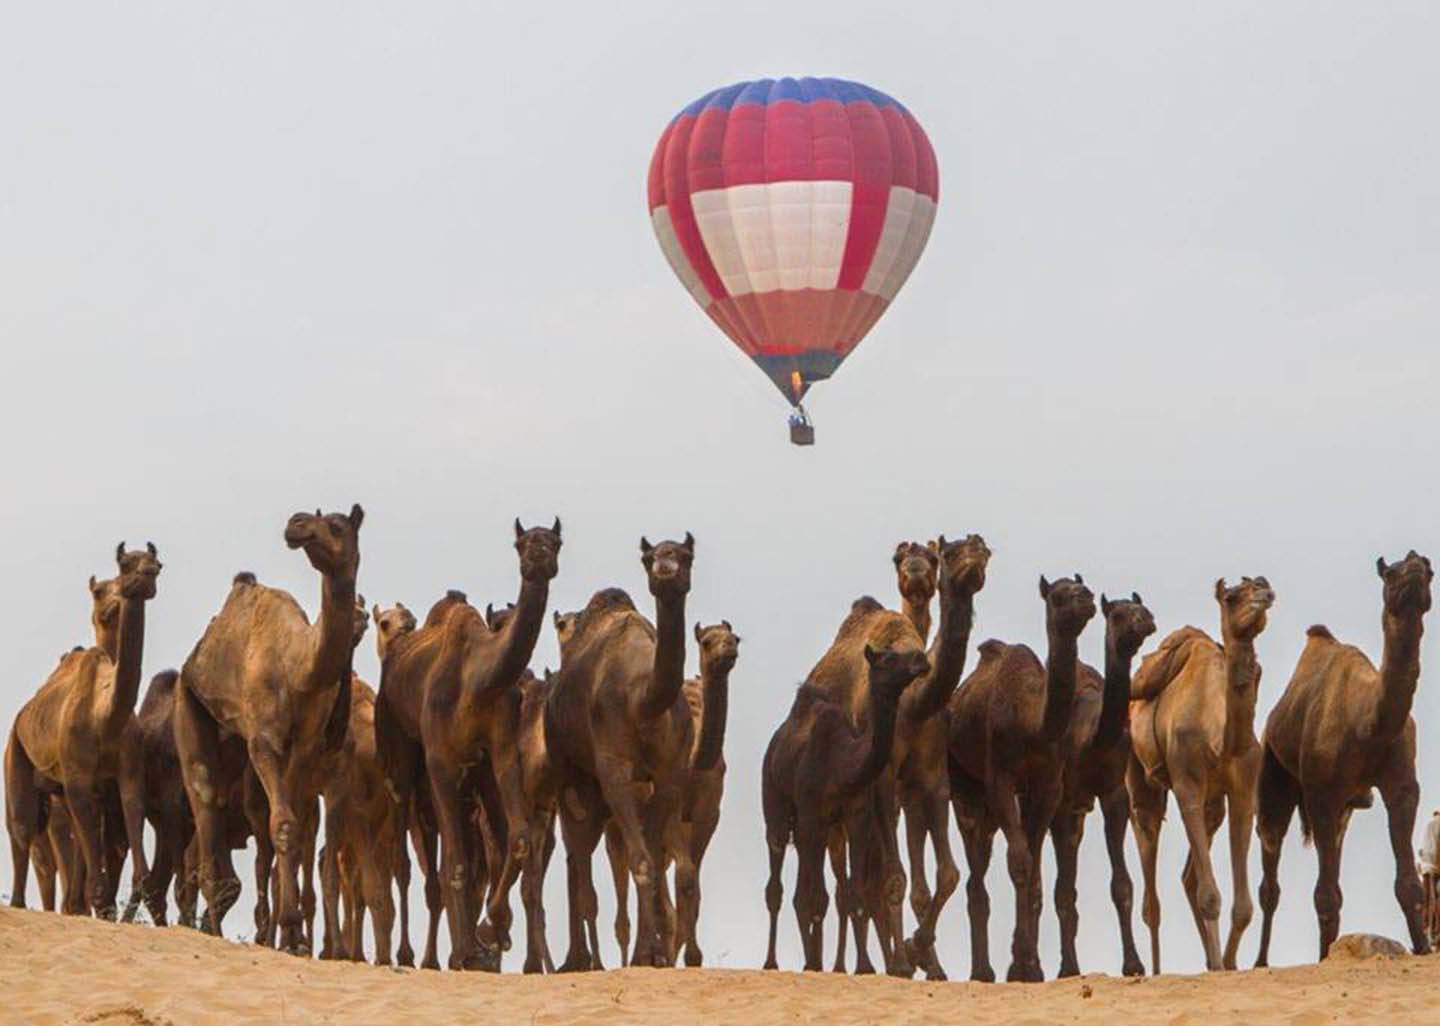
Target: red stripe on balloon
(873, 168)
(682, 214)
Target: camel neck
(715, 687)
(1242, 684)
(918, 613)
(521, 633)
(1060, 672)
(947, 654)
(107, 640)
(336, 631)
(1115, 700)
(870, 753)
(668, 673)
(129, 653)
(1399, 672)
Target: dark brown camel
(271, 681)
(1098, 753)
(1341, 728)
(441, 699)
(76, 735)
(619, 731)
(688, 835)
(1008, 722)
(816, 768)
(1192, 731)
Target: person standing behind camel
(1429, 870)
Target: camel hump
(243, 579)
(455, 595)
(1319, 630)
(452, 599)
(162, 686)
(1163, 665)
(866, 604)
(861, 610)
(992, 648)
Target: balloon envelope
(793, 210)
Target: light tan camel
(1192, 731)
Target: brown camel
(264, 676)
(817, 767)
(688, 835)
(1097, 756)
(619, 732)
(1192, 731)
(54, 850)
(1008, 723)
(1341, 728)
(440, 702)
(73, 736)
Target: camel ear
(1380, 567)
(1079, 579)
(556, 527)
(357, 516)
(899, 553)
(870, 654)
(1135, 598)
(727, 626)
(92, 584)
(119, 551)
(399, 605)
(489, 613)
(376, 612)
(690, 542)
(1104, 605)
(360, 601)
(519, 531)
(938, 545)
(698, 631)
(1220, 589)
(1044, 587)
(150, 548)
(645, 547)
(555, 616)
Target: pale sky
(1176, 320)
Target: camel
(73, 736)
(265, 676)
(688, 834)
(1192, 731)
(440, 701)
(1341, 728)
(619, 732)
(1008, 723)
(1097, 756)
(53, 852)
(816, 768)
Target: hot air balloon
(793, 210)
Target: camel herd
(469, 762)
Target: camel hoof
(771, 964)
(405, 957)
(1137, 968)
(431, 963)
(694, 958)
(575, 964)
(982, 974)
(863, 969)
(1067, 970)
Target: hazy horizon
(1176, 321)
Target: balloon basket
(802, 432)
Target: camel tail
(1307, 835)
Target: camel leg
(423, 834)
(532, 884)
(620, 873)
(1147, 815)
(87, 818)
(1115, 808)
(810, 898)
(1240, 808)
(1401, 795)
(23, 816)
(1326, 832)
(257, 812)
(1065, 834)
(887, 821)
(659, 812)
(977, 834)
(1004, 806)
(330, 892)
(162, 871)
(187, 885)
(287, 830)
(69, 860)
(1195, 813)
(547, 852)
(309, 831)
(947, 879)
(494, 932)
(701, 834)
(376, 877)
(775, 845)
(455, 866)
(844, 896)
(132, 804)
(913, 808)
(404, 954)
(42, 860)
(581, 835)
(1037, 812)
(1277, 796)
(635, 821)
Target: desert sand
(56, 970)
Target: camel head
(1069, 604)
(496, 619)
(390, 624)
(105, 604)
(1127, 623)
(719, 647)
(565, 627)
(962, 562)
(892, 669)
(667, 565)
(539, 549)
(915, 568)
(138, 571)
(1407, 583)
(1243, 607)
(362, 619)
(330, 540)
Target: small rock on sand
(1365, 945)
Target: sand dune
(55, 970)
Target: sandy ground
(57, 970)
